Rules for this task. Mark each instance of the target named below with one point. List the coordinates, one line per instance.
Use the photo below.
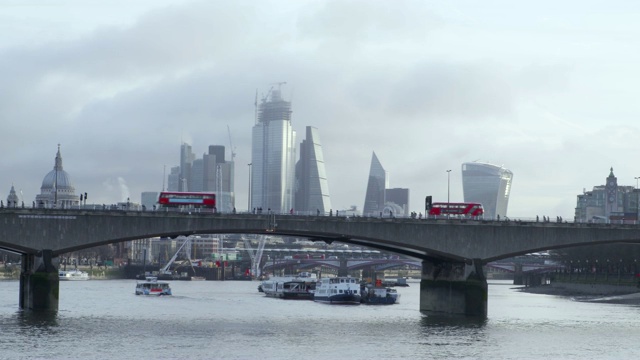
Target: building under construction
(273, 155)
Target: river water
(103, 319)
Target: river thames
(103, 319)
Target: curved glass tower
(488, 185)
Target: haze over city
(544, 89)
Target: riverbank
(602, 293)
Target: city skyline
(427, 86)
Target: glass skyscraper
(374, 199)
(488, 185)
(273, 155)
(312, 187)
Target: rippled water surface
(231, 320)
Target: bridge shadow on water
(440, 320)
(37, 319)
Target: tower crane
(233, 150)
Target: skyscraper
(186, 159)
(211, 173)
(312, 187)
(273, 155)
(374, 199)
(488, 185)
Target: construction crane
(233, 150)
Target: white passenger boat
(338, 290)
(151, 286)
(300, 286)
(73, 275)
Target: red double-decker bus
(187, 199)
(470, 210)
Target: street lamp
(637, 199)
(448, 189)
(249, 192)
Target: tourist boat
(72, 275)
(151, 286)
(299, 287)
(379, 295)
(338, 290)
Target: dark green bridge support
(453, 288)
(39, 282)
(343, 270)
(518, 275)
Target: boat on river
(338, 290)
(73, 275)
(379, 295)
(300, 287)
(151, 286)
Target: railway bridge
(452, 251)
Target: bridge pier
(518, 276)
(39, 282)
(453, 288)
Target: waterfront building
(489, 185)
(312, 186)
(57, 189)
(608, 202)
(273, 153)
(378, 182)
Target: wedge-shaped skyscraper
(312, 187)
(374, 199)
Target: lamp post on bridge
(448, 190)
(637, 199)
(249, 192)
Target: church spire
(58, 165)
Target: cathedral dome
(56, 189)
(57, 178)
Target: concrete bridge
(452, 251)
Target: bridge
(452, 251)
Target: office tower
(488, 185)
(374, 199)
(186, 159)
(273, 155)
(398, 199)
(312, 187)
(197, 176)
(173, 179)
(211, 173)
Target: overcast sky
(547, 89)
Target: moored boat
(151, 286)
(379, 295)
(300, 286)
(72, 275)
(338, 290)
